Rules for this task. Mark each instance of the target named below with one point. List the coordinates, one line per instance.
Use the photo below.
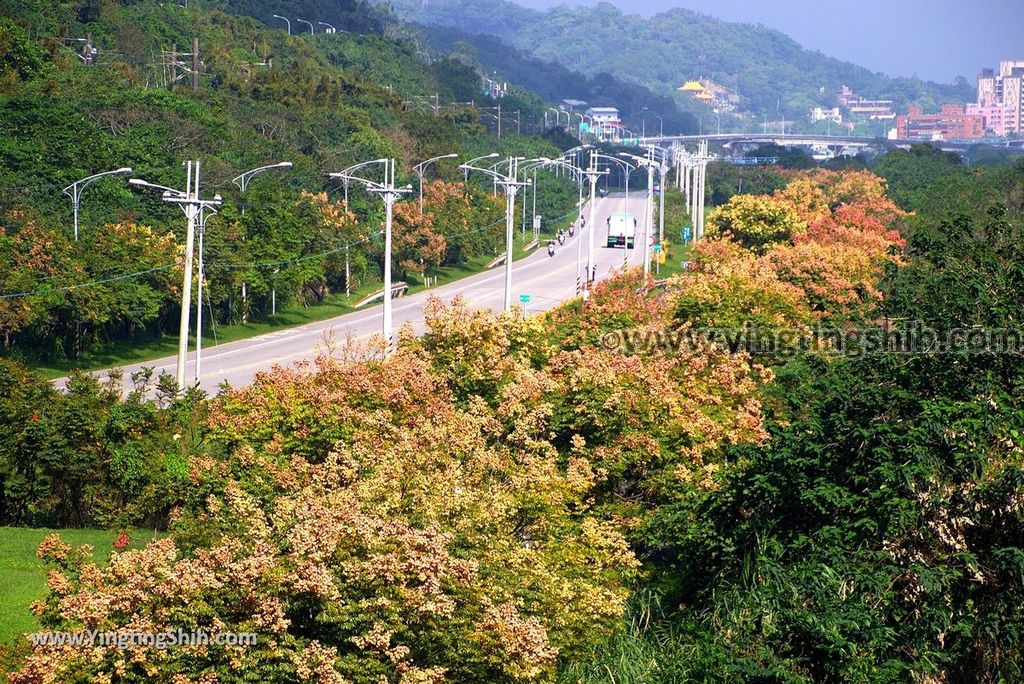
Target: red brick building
(952, 123)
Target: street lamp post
(511, 185)
(389, 193)
(191, 204)
(650, 163)
(593, 175)
(204, 216)
(312, 30)
(242, 181)
(285, 20)
(422, 167)
(74, 191)
(330, 29)
(627, 168)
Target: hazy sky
(935, 39)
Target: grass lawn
(23, 576)
(140, 350)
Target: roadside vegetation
(798, 459)
(602, 493)
(291, 240)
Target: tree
(755, 222)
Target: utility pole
(510, 183)
(390, 193)
(191, 204)
(174, 65)
(699, 187)
(204, 216)
(662, 170)
(650, 163)
(195, 64)
(593, 175)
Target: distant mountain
(553, 81)
(773, 73)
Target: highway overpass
(833, 142)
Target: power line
(66, 288)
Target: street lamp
(390, 193)
(660, 155)
(511, 185)
(650, 164)
(422, 167)
(465, 167)
(242, 181)
(191, 205)
(312, 30)
(204, 216)
(74, 191)
(593, 175)
(285, 20)
(643, 124)
(628, 169)
(330, 29)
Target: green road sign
(525, 299)
(657, 246)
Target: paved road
(549, 280)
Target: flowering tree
(756, 221)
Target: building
(863, 108)
(1001, 98)
(952, 123)
(1000, 118)
(571, 105)
(707, 91)
(603, 115)
(822, 114)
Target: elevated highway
(729, 140)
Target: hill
(772, 72)
(322, 102)
(554, 81)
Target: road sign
(657, 247)
(687, 233)
(536, 222)
(525, 299)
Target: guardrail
(397, 290)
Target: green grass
(23, 576)
(676, 254)
(140, 350)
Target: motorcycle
(551, 248)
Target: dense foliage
(322, 103)
(634, 488)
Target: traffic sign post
(524, 299)
(657, 258)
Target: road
(549, 280)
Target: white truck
(621, 230)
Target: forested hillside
(322, 103)
(772, 72)
(555, 82)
